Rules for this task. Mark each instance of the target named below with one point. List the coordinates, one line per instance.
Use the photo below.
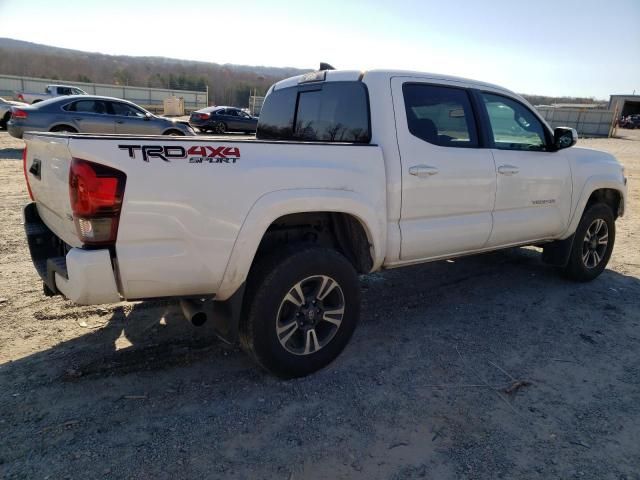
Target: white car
(350, 173)
(5, 110)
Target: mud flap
(557, 253)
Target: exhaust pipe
(193, 310)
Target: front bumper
(83, 276)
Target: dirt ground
(481, 368)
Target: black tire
(219, 128)
(64, 128)
(5, 120)
(272, 280)
(174, 133)
(587, 243)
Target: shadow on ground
(423, 388)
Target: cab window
(514, 126)
(440, 115)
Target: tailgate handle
(36, 168)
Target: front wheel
(592, 243)
(303, 305)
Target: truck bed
(187, 199)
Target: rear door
(534, 187)
(448, 179)
(90, 116)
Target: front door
(534, 189)
(131, 120)
(448, 181)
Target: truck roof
(355, 75)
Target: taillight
(26, 174)
(96, 194)
(203, 116)
(18, 113)
(21, 97)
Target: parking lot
(485, 367)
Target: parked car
(91, 114)
(50, 91)
(632, 122)
(223, 119)
(5, 110)
(378, 170)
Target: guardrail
(149, 98)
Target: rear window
(327, 112)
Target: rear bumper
(83, 276)
(15, 130)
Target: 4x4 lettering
(232, 152)
(198, 151)
(217, 152)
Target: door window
(87, 106)
(440, 115)
(514, 126)
(124, 110)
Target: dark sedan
(223, 119)
(91, 114)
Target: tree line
(227, 84)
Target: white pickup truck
(50, 91)
(350, 173)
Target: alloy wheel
(595, 243)
(310, 315)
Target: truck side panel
(184, 206)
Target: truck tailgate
(47, 170)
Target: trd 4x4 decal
(196, 154)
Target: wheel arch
(606, 188)
(56, 126)
(338, 205)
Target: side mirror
(148, 116)
(564, 137)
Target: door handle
(508, 169)
(423, 171)
(119, 121)
(78, 119)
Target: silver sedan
(92, 114)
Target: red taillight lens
(21, 97)
(18, 113)
(203, 116)
(24, 169)
(96, 193)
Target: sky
(550, 47)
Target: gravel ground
(481, 368)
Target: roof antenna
(325, 66)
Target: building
(624, 105)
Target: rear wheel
(302, 307)
(592, 243)
(219, 128)
(64, 129)
(4, 120)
